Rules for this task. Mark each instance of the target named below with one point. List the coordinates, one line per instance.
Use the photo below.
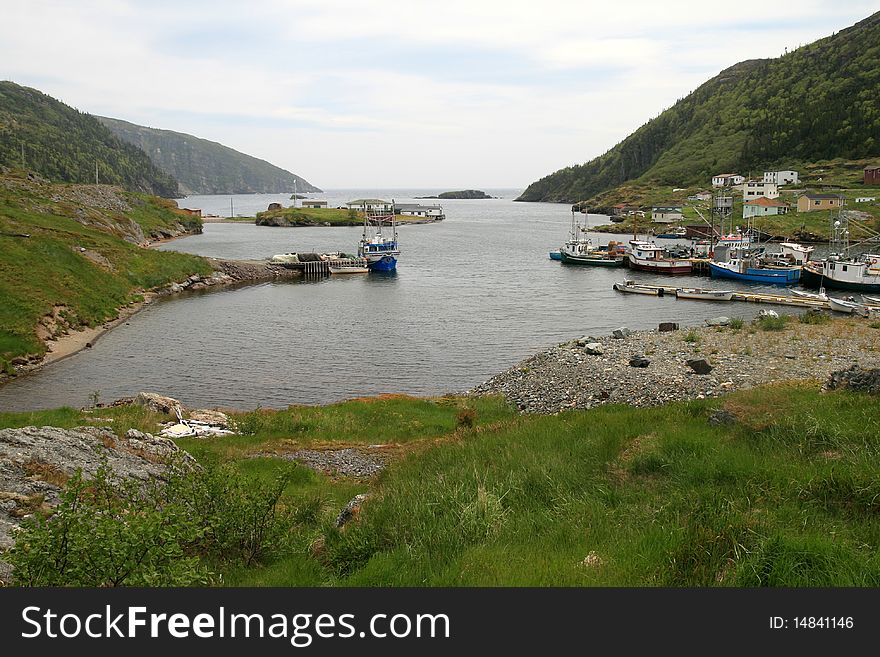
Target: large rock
(36, 462)
(214, 418)
(667, 327)
(855, 378)
(157, 403)
(699, 365)
(721, 320)
(639, 361)
(594, 349)
(621, 333)
(351, 510)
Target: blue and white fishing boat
(380, 251)
(748, 265)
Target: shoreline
(227, 274)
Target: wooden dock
(753, 297)
(317, 268)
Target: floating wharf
(754, 297)
(321, 267)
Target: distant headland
(465, 193)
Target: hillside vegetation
(206, 167)
(815, 103)
(69, 257)
(64, 145)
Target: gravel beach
(575, 375)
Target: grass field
(786, 494)
(51, 262)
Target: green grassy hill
(815, 103)
(206, 167)
(64, 145)
(69, 255)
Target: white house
(727, 180)
(761, 207)
(416, 210)
(753, 189)
(781, 177)
(865, 199)
(370, 205)
(666, 215)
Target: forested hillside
(42, 134)
(818, 102)
(206, 167)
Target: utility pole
(23, 163)
(96, 172)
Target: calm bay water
(473, 295)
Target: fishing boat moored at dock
(703, 294)
(647, 256)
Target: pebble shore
(574, 375)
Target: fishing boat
(703, 294)
(747, 265)
(635, 288)
(352, 269)
(848, 306)
(380, 252)
(840, 270)
(810, 295)
(874, 300)
(583, 253)
(647, 256)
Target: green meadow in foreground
(784, 491)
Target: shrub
(736, 323)
(691, 336)
(811, 317)
(770, 323)
(111, 532)
(466, 417)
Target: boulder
(157, 403)
(621, 333)
(594, 349)
(722, 417)
(274, 206)
(721, 320)
(639, 361)
(214, 418)
(855, 378)
(351, 510)
(699, 365)
(667, 327)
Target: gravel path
(568, 376)
(348, 462)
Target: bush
(107, 532)
(736, 323)
(691, 336)
(466, 417)
(770, 323)
(814, 317)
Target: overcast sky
(398, 93)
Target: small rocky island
(465, 194)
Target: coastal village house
(753, 189)
(370, 205)
(811, 202)
(416, 210)
(191, 212)
(865, 199)
(872, 175)
(314, 204)
(781, 177)
(666, 215)
(761, 207)
(727, 180)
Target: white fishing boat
(354, 269)
(812, 295)
(849, 307)
(634, 288)
(647, 256)
(874, 300)
(702, 294)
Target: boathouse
(308, 203)
(872, 175)
(370, 205)
(417, 210)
